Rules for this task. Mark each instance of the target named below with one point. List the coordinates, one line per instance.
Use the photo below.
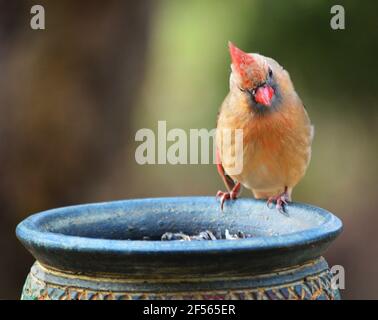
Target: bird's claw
(281, 201)
(226, 196)
(231, 195)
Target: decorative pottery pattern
(314, 287)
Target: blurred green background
(72, 97)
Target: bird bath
(97, 251)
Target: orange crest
(245, 65)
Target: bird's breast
(276, 148)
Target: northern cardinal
(277, 132)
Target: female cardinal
(277, 132)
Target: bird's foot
(281, 201)
(232, 195)
(225, 195)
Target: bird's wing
(228, 181)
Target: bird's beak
(264, 95)
(242, 61)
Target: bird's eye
(270, 73)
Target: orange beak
(264, 95)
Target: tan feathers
(276, 144)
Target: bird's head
(257, 80)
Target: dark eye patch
(270, 72)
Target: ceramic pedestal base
(311, 281)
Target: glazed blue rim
(29, 232)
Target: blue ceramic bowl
(106, 239)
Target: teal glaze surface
(104, 240)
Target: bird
(277, 133)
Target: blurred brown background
(72, 97)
